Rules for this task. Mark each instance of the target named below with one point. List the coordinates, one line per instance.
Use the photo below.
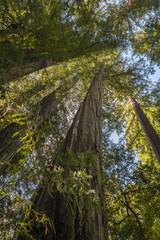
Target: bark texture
(13, 73)
(150, 132)
(85, 134)
(9, 144)
(31, 63)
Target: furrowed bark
(13, 73)
(151, 134)
(10, 143)
(85, 134)
(32, 67)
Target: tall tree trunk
(10, 143)
(84, 135)
(150, 132)
(11, 136)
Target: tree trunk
(150, 132)
(84, 135)
(10, 144)
(130, 4)
(15, 73)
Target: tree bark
(14, 73)
(85, 134)
(130, 4)
(9, 144)
(150, 132)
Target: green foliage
(134, 210)
(146, 39)
(135, 136)
(76, 37)
(75, 186)
(41, 219)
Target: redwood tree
(14, 135)
(83, 137)
(150, 132)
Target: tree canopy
(50, 52)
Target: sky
(156, 75)
(114, 136)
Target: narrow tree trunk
(150, 132)
(130, 4)
(85, 134)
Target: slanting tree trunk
(13, 73)
(30, 68)
(11, 136)
(84, 135)
(150, 132)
